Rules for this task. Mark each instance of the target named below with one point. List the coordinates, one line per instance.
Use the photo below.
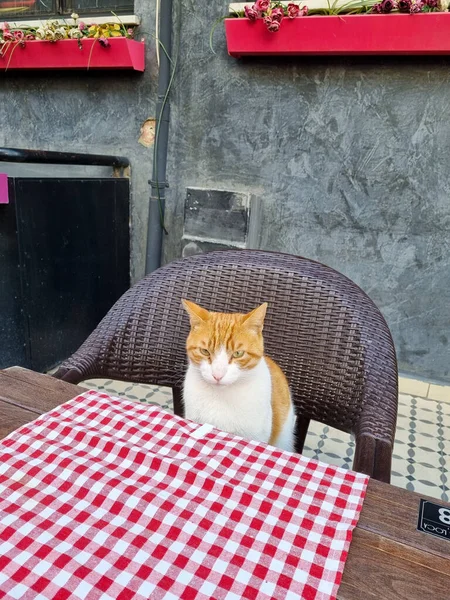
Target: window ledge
(99, 20)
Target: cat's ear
(197, 314)
(255, 318)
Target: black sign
(434, 519)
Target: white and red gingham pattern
(105, 498)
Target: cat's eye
(238, 354)
(204, 351)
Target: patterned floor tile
(422, 446)
(445, 406)
(329, 445)
(149, 394)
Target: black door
(72, 238)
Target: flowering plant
(273, 12)
(406, 6)
(52, 31)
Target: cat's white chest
(243, 408)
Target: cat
(230, 383)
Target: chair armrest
(375, 430)
(80, 366)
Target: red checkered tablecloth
(108, 499)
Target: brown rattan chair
(327, 335)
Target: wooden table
(388, 559)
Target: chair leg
(178, 407)
(301, 429)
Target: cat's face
(224, 347)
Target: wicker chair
(327, 335)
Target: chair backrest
(323, 330)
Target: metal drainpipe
(158, 180)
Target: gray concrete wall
(96, 112)
(349, 157)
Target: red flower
(262, 5)
(293, 11)
(8, 36)
(19, 35)
(277, 14)
(30, 37)
(251, 12)
(304, 11)
(271, 25)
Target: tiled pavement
(422, 445)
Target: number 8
(444, 515)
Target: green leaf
(213, 28)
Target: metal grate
(24, 9)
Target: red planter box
(427, 33)
(122, 53)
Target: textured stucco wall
(351, 161)
(96, 112)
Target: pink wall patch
(4, 188)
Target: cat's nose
(217, 377)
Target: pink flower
(293, 11)
(19, 35)
(103, 41)
(82, 26)
(30, 37)
(262, 5)
(251, 12)
(8, 36)
(403, 5)
(277, 14)
(416, 6)
(304, 11)
(388, 5)
(271, 25)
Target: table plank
(396, 495)
(35, 392)
(12, 417)
(392, 576)
(398, 549)
(41, 379)
(348, 591)
(394, 513)
(388, 557)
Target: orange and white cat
(230, 383)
